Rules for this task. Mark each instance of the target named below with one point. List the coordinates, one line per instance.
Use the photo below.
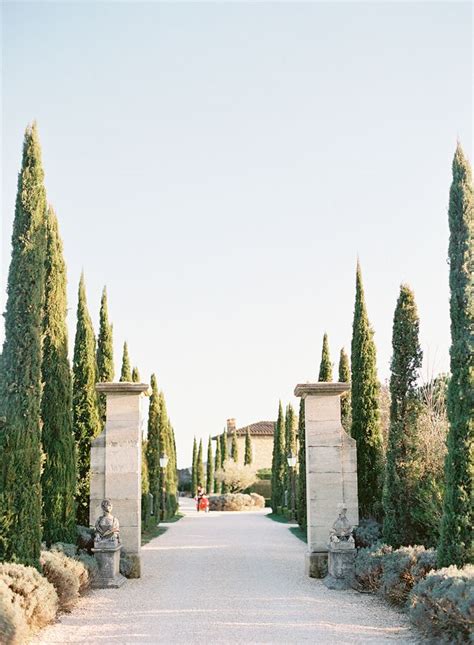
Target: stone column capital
(122, 388)
(321, 389)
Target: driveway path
(227, 578)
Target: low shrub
(236, 502)
(85, 538)
(442, 605)
(61, 572)
(402, 569)
(369, 566)
(367, 533)
(13, 624)
(37, 596)
(91, 565)
(82, 556)
(63, 547)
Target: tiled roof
(261, 428)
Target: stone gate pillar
(116, 464)
(331, 469)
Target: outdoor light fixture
(291, 459)
(164, 460)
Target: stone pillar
(331, 468)
(116, 464)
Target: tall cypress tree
(278, 461)
(200, 465)
(217, 466)
(105, 352)
(20, 400)
(58, 479)
(455, 545)
(194, 480)
(345, 377)
(165, 448)
(85, 410)
(135, 375)
(153, 445)
(301, 496)
(126, 372)
(248, 449)
(398, 527)
(365, 408)
(209, 469)
(170, 472)
(325, 368)
(224, 458)
(234, 447)
(290, 444)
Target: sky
(221, 166)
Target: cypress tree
(170, 472)
(290, 444)
(248, 449)
(455, 546)
(406, 361)
(217, 466)
(345, 377)
(20, 400)
(126, 373)
(234, 447)
(325, 368)
(224, 458)
(301, 496)
(105, 352)
(200, 465)
(165, 448)
(194, 484)
(209, 469)
(278, 461)
(153, 445)
(135, 375)
(58, 479)
(85, 411)
(365, 427)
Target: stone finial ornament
(107, 528)
(341, 529)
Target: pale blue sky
(220, 166)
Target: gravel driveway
(227, 578)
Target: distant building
(261, 435)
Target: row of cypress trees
(216, 462)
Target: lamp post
(291, 459)
(163, 463)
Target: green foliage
(20, 386)
(194, 469)
(365, 427)
(85, 411)
(135, 375)
(209, 469)
(153, 445)
(224, 459)
(126, 371)
(278, 461)
(37, 597)
(105, 352)
(455, 545)
(200, 466)
(301, 493)
(325, 368)
(441, 605)
(345, 377)
(367, 533)
(217, 466)
(248, 457)
(402, 569)
(58, 479)
(400, 468)
(234, 449)
(290, 445)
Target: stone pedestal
(116, 464)
(331, 468)
(341, 565)
(108, 559)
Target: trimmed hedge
(402, 569)
(69, 577)
(13, 625)
(442, 605)
(236, 502)
(369, 566)
(37, 597)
